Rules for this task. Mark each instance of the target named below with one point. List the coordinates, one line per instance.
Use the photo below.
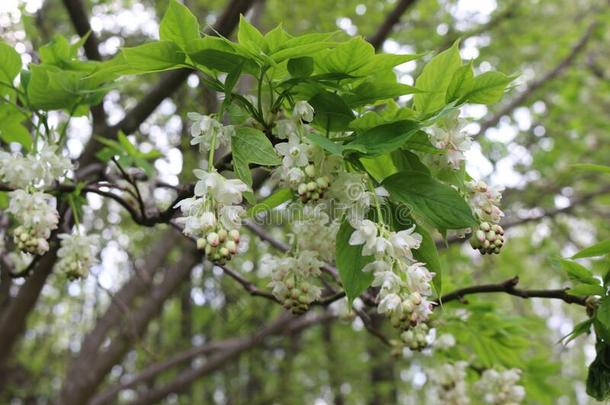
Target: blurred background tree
(154, 324)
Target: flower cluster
(316, 232)
(448, 135)
(404, 283)
(37, 217)
(488, 238)
(485, 200)
(449, 384)
(305, 167)
(351, 196)
(293, 279)
(77, 254)
(213, 215)
(416, 338)
(500, 387)
(38, 170)
(206, 130)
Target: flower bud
(201, 243)
(222, 235)
(234, 235)
(310, 170)
(312, 186)
(213, 239)
(231, 247)
(302, 189)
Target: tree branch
(578, 47)
(510, 287)
(391, 20)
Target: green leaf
(599, 249)
(371, 91)
(584, 290)
(154, 56)
(276, 39)
(331, 111)
(379, 167)
(488, 88)
(325, 143)
(300, 67)
(603, 313)
(461, 83)
(57, 51)
(598, 378)
(420, 142)
(178, 25)
(592, 167)
(350, 263)
(436, 202)
(384, 138)
(351, 58)
(578, 272)
(218, 60)
(10, 65)
(406, 161)
(16, 132)
(249, 36)
(279, 197)
(435, 79)
(299, 51)
(580, 329)
(250, 145)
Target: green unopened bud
(222, 235)
(302, 189)
(201, 243)
(312, 186)
(234, 235)
(213, 239)
(310, 170)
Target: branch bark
(391, 20)
(510, 287)
(566, 62)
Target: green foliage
(127, 154)
(349, 261)
(10, 65)
(436, 202)
(178, 25)
(599, 249)
(251, 146)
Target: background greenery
(556, 115)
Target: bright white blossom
(303, 110)
(77, 254)
(316, 232)
(293, 279)
(485, 201)
(222, 190)
(500, 387)
(37, 170)
(448, 135)
(449, 384)
(294, 152)
(36, 215)
(205, 128)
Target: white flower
(303, 110)
(449, 384)
(77, 254)
(448, 135)
(230, 216)
(205, 128)
(223, 191)
(286, 129)
(444, 341)
(404, 241)
(294, 152)
(389, 303)
(365, 233)
(500, 387)
(485, 201)
(419, 279)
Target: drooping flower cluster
(77, 254)
(315, 231)
(449, 136)
(404, 283)
(416, 338)
(213, 215)
(305, 167)
(351, 196)
(500, 387)
(206, 129)
(293, 279)
(37, 217)
(485, 201)
(449, 384)
(37, 170)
